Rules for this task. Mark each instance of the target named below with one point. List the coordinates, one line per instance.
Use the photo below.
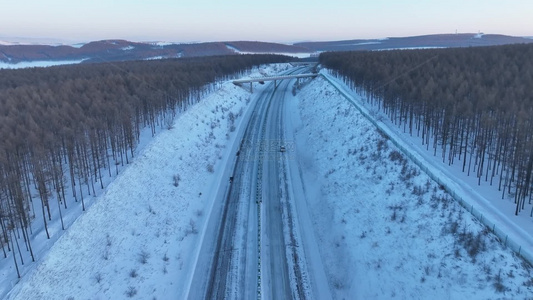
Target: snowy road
(256, 252)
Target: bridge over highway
(272, 78)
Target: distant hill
(423, 41)
(122, 50)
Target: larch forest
(63, 126)
(471, 105)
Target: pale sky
(268, 20)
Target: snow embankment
(139, 238)
(384, 228)
(483, 200)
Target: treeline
(474, 106)
(62, 127)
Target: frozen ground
(139, 238)
(293, 54)
(385, 230)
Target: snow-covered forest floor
(385, 229)
(140, 236)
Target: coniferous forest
(473, 106)
(63, 126)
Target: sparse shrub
(474, 244)
(210, 168)
(108, 240)
(143, 257)
(199, 213)
(418, 190)
(337, 283)
(98, 277)
(457, 253)
(132, 291)
(487, 270)
(105, 255)
(528, 283)
(133, 273)
(396, 156)
(166, 258)
(498, 283)
(176, 180)
(382, 145)
(192, 227)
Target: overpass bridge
(272, 78)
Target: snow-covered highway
(256, 253)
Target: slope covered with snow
(385, 229)
(482, 198)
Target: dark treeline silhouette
(474, 106)
(64, 126)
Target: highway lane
(254, 220)
(229, 259)
(277, 283)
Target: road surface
(258, 251)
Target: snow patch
(38, 64)
(298, 55)
(411, 48)
(366, 43)
(78, 45)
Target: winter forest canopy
(472, 105)
(63, 126)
